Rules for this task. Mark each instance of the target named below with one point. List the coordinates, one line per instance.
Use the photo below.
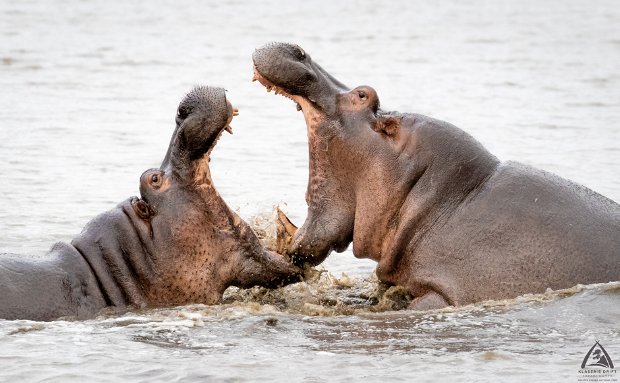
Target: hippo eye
(155, 178)
(361, 94)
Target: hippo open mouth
(287, 70)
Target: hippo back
(57, 285)
(525, 231)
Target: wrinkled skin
(440, 214)
(179, 243)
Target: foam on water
(252, 337)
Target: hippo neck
(219, 214)
(451, 168)
(243, 239)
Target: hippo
(176, 244)
(440, 214)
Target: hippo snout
(266, 54)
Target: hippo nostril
(361, 94)
(182, 112)
(301, 52)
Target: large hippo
(438, 212)
(178, 243)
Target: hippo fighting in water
(440, 214)
(179, 243)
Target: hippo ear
(387, 125)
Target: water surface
(89, 92)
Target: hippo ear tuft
(387, 125)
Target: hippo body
(522, 230)
(60, 284)
(178, 243)
(440, 214)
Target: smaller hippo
(441, 215)
(179, 243)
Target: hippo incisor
(438, 212)
(179, 243)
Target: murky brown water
(87, 101)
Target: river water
(87, 101)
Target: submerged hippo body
(178, 243)
(439, 213)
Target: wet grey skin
(440, 214)
(179, 243)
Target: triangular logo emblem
(597, 357)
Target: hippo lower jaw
(269, 269)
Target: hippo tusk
(228, 129)
(285, 232)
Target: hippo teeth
(228, 129)
(269, 86)
(279, 91)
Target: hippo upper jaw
(203, 115)
(289, 71)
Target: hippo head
(180, 242)
(338, 148)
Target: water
(89, 91)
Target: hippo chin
(438, 212)
(179, 243)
